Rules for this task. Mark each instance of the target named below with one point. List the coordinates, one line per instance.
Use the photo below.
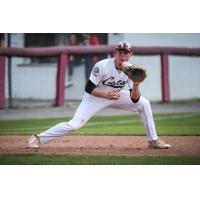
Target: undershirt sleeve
(90, 86)
(133, 100)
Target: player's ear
(131, 54)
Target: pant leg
(143, 107)
(88, 107)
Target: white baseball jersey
(106, 76)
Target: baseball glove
(134, 72)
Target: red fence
(62, 54)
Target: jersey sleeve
(96, 74)
(130, 84)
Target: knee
(75, 124)
(145, 102)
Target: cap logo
(123, 44)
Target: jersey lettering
(114, 84)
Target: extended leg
(88, 107)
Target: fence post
(2, 82)
(62, 64)
(165, 78)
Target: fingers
(115, 90)
(113, 95)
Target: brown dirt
(103, 145)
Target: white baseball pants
(91, 104)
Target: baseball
(126, 64)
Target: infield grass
(166, 124)
(38, 159)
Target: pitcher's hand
(113, 95)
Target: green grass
(37, 159)
(166, 124)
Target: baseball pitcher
(105, 89)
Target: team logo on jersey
(112, 83)
(95, 71)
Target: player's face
(121, 56)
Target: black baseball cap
(124, 45)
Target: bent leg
(146, 116)
(143, 107)
(84, 112)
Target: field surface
(104, 140)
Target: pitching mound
(103, 145)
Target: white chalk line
(104, 123)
